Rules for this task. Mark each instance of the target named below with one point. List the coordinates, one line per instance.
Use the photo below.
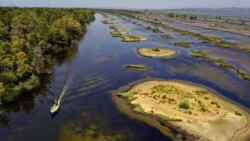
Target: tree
(30, 83)
(3, 31)
(22, 66)
(2, 89)
(171, 15)
(29, 37)
(38, 60)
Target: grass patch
(184, 104)
(137, 109)
(201, 91)
(222, 63)
(154, 30)
(166, 118)
(136, 66)
(213, 102)
(133, 39)
(199, 54)
(116, 34)
(166, 36)
(166, 89)
(243, 74)
(129, 95)
(184, 44)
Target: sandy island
(192, 110)
(156, 52)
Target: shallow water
(96, 69)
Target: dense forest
(29, 37)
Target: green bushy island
(29, 37)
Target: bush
(137, 109)
(156, 49)
(238, 113)
(129, 95)
(184, 104)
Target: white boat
(55, 107)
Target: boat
(55, 107)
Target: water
(94, 69)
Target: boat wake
(77, 86)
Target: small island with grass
(193, 111)
(184, 44)
(117, 33)
(156, 52)
(222, 63)
(166, 36)
(136, 66)
(154, 30)
(133, 39)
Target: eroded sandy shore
(156, 52)
(208, 116)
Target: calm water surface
(94, 69)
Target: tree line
(28, 39)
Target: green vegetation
(201, 91)
(137, 109)
(205, 38)
(166, 89)
(116, 34)
(200, 54)
(221, 63)
(129, 95)
(29, 37)
(166, 36)
(184, 44)
(136, 66)
(156, 49)
(112, 27)
(238, 113)
(133, 39)
(215, 103)
(154, 30)
(184, 104)
(166, 118)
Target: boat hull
(54, 108)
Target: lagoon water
(96, 69)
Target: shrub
(238, 113)
(156, 49)
(166, 118)
(129, 95)
(137, 109)
(184, 104)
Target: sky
(133, 4)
